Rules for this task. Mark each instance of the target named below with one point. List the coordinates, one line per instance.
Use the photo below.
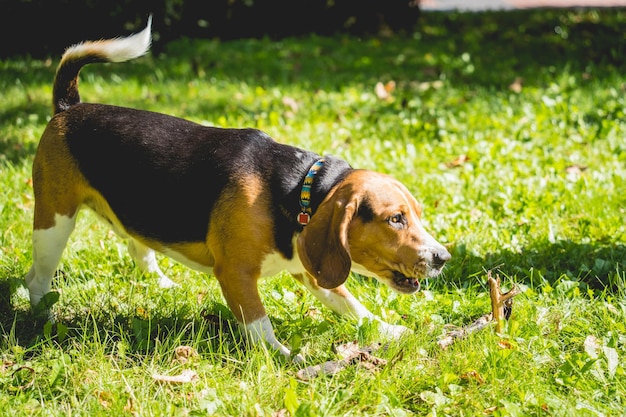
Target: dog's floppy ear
(323, 244)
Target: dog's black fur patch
(163, 175)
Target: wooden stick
(462, 332)
(501, 303)
(501, 307)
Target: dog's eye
(397, 221)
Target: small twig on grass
(501, 307)
(462, 332)
(501, 303)
(352, 354)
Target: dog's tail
(65, 91)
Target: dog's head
(370, 223)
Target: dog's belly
(197, 257)
(192, 255)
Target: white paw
(393, 331)
(165, 282)
(297, 359)
(35, 298)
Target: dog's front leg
(244, 301)
(342, 302)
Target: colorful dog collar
(305, 195)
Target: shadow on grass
(21, 326)
(501, 42)
(14, 149)
(594, 266)
(589, 266)
(489, 49)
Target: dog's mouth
(404, 284)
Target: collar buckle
(304, 218)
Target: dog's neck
(332, 171)
(288, 193)
(326, 175)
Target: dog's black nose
(440, 257)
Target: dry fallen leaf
(130, 407)
(185, 377)
(383, 91)
(185, 353)
(504, 344)
(291, 103)
(347, 349)
(313, 313)
(351, 354)
(490, 410)
(104, 398)
(575, 171)
(592, 346)
(473, 375)
(516, 85)
(458, 161)
(6, 365)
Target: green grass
(537, 194)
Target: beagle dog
(228, 202)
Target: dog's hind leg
(48, 245)
(145, 259)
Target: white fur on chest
(275, 263)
